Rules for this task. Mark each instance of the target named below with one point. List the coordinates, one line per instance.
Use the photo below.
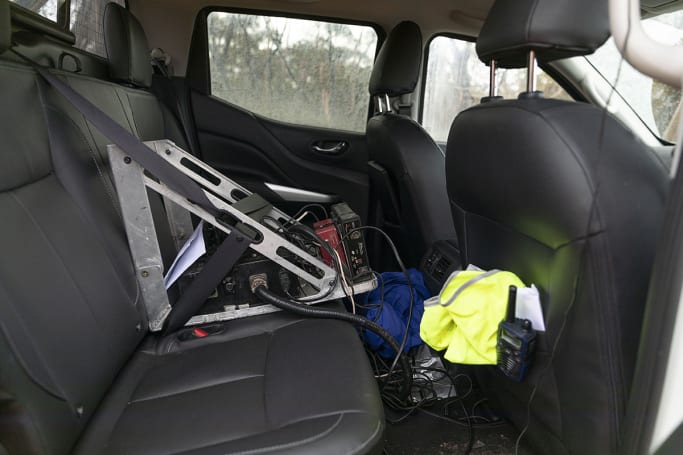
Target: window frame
(199, 48)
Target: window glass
(293, 70)
(86, 23)
(655, 103)
(457, 79)
(46, 8)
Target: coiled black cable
(313, 312)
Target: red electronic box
(327, 231)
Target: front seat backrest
(406, 167)
(566, 197)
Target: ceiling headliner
(169, 23)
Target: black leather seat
(408, 183)
(80, 372)
(565, 196)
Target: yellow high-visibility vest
(464, 317)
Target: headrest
(398, 63)
(5, 26)
(554, 29)
(127, 47)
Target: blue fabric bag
(393, 314)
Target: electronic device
(516, 342)
(352, 239)
(283, 254)
(234, 294)
(327, 230)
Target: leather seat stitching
(288, 445)
(55, 394)
(59, 258)
(195, 389)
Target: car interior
(320, 146)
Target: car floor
(441, 429)
(424, 434)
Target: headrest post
(382, 104)
(531, 73)
(492, 82)
(387, 102)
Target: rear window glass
(299, 71)
(86, 19)
(46, 8)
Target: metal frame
(142, 236)
(493, 89)
(132, 183)
(531, 72)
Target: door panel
(254, 151)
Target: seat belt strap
(213, 272)
(229, 251)
(130, 144)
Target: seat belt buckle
(198, 332)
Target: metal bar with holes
(132, 183)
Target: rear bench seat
(78, 370)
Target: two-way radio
(516, 342)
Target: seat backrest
(70, 318)
(70, 309)
(566, 197)
(399, 145)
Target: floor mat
(445, 412)
(423, 433)
(442, 428)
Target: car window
(86, 23)
(294, 70)
(456, 79)
(46, 8)
(655, 103)
(85, 19)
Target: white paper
(529, 307)
(193, 249)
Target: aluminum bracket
(132, 183)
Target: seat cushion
(273, 383)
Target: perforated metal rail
(132, 183)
